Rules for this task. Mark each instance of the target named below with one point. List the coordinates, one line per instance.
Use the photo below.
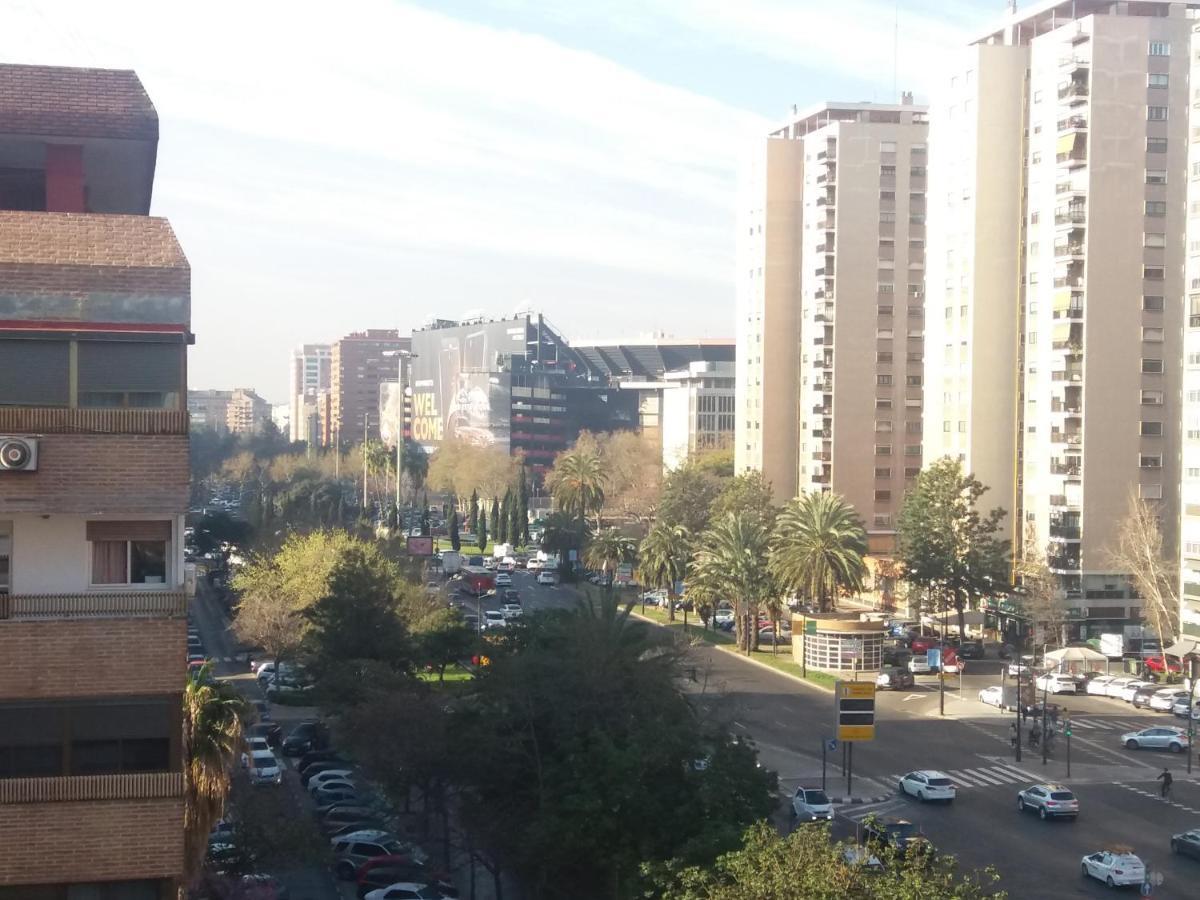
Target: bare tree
(1043, 600)
(1139, 555)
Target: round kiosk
(837, 642)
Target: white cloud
(369, 129)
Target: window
(1156, 113)
(912, 471)
(883, 521)
(1152, 303)
(1152, 398)
(1156, 208)
(1149, 462)
(912, 427)
(887, 218)
(1150, 491)
(1156, 145)
(883, 426)
(1156, 176)
(887, 146)
(883, 357)
(1153, 273)
(946, 426)
(886, 171)
(883, 379)
(1159, 48)
(1154, 335)
(1152, 429)
(883, 496)
(912, 450)
(884, 472)
(34, 373)
(126, 553)
(883, 449)
(1154, 239)
(1152, 366)
(912, 380)
(883, 402)
(1035, 158)
(884, 310)
(140, 375)
(1156, 80)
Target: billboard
(420, 546)
(391, 411)
(458, 390)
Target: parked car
(1115, 866)
(768, 636)
(1117, 685)
(306, 736)
(1155, 664)
(1132, 688)
(406, 890)
(919, 664)
(1057, 683)
(1099, 684)
(655, 598)
(547, 577)
(1164, 699)
(1141, 696)
(1158, 738)
(1025, 666)
(1049, 800)
(723, 615)
(350, 851)
(894, 678)
(993, 695)
(264, 768)
(511, 610)
(811, 804)
(494, 620)
(971, 650)
(1180, 709)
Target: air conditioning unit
(18, 454)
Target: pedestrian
(1012, 735)
(1166, 780)
(1035, 735)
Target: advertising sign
(855, 710)
(458, 387)
(420, 546)
(391, 412)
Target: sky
(330, 167)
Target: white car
(1165, 700)
(1114, 867)
(253, 744)
(1180, 709)
(811, 805)
(919, 664)
(1158, 738)
(1132, 688)
(546, 577)
(405, 890)
(992, 696)
(493, 620)
(1099, 684)
(533, 565)
(655, 598)
(1117, 686)
(264, 768)
(1024, 665)
(503, 579)
(928, 784)
(723, 615)
(1057, 683)
(511, 610)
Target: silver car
(811, 805)
(1160, 738)
(1049, 800)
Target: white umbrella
(1076, 654)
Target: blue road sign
(830, 744)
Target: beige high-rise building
(862, 281)
(767, 430)
(1189, 534)
(1081, 110)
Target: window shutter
(129, 366)
(34, 373)
(129, 531)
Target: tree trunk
(960, 608)
(670, 606)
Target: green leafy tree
(576, 759)
(664, 558)
(473, 521)
(562, 533)
(687, 498)
(443, 640)
(732, 560)
(607, 550)
(481, 533)
(817, 548)
(748, 493)
(577, 482)
(216, 530)
(947, 547)
(213, 712)
(455, 539)
(805, 865)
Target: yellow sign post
(855, 718)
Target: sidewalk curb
(856, 801)
(732, 651)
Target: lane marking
(987, 776)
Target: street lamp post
(402, 355)
(1017, 707)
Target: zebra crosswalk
(1091, 724)
(982, 776)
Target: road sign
(831, 744)
(855, 703)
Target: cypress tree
(493, 525)
(505, 515)
(481, 533)
(523, 503)
(455, 540)
(473, 521)
(514, 520)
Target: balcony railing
(1071, 470)
(72, 788)
(142, 604)
(1193, 321)
(1076, 90)
(1065, 532)
(54, 420)
(1073, 216)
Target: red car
(1155, 664)
(383, 871)
(923, 644)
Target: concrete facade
(308, 375)
(359, 364)
(698, 411)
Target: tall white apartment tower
(862, 284)
(766, 431)
(308, 375)
(1189, 506)
(1091, 98)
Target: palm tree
(607, 550)
(578, 483)
(212, 738)
(665, 553)
(732, 560)
(818, 548)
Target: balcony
(1074, 92)
(1074, 63)
(1193, 321)
(1065, 532)
(822, 456)
(1069, 281)
(822, 433)
(1067, 250)
(1074, 214)
(820, 410)
(132, 605)
(1067, 409)
(1063, 563)
(1067, 469)
(54, 420)
(77, 788)
(1072, 123)
(1069, 438)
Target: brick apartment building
(94, 329)
(361, 362)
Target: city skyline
(308, 216)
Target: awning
(1062, 299)
(1061, 331)
(1068, 142)
(1183, 646)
